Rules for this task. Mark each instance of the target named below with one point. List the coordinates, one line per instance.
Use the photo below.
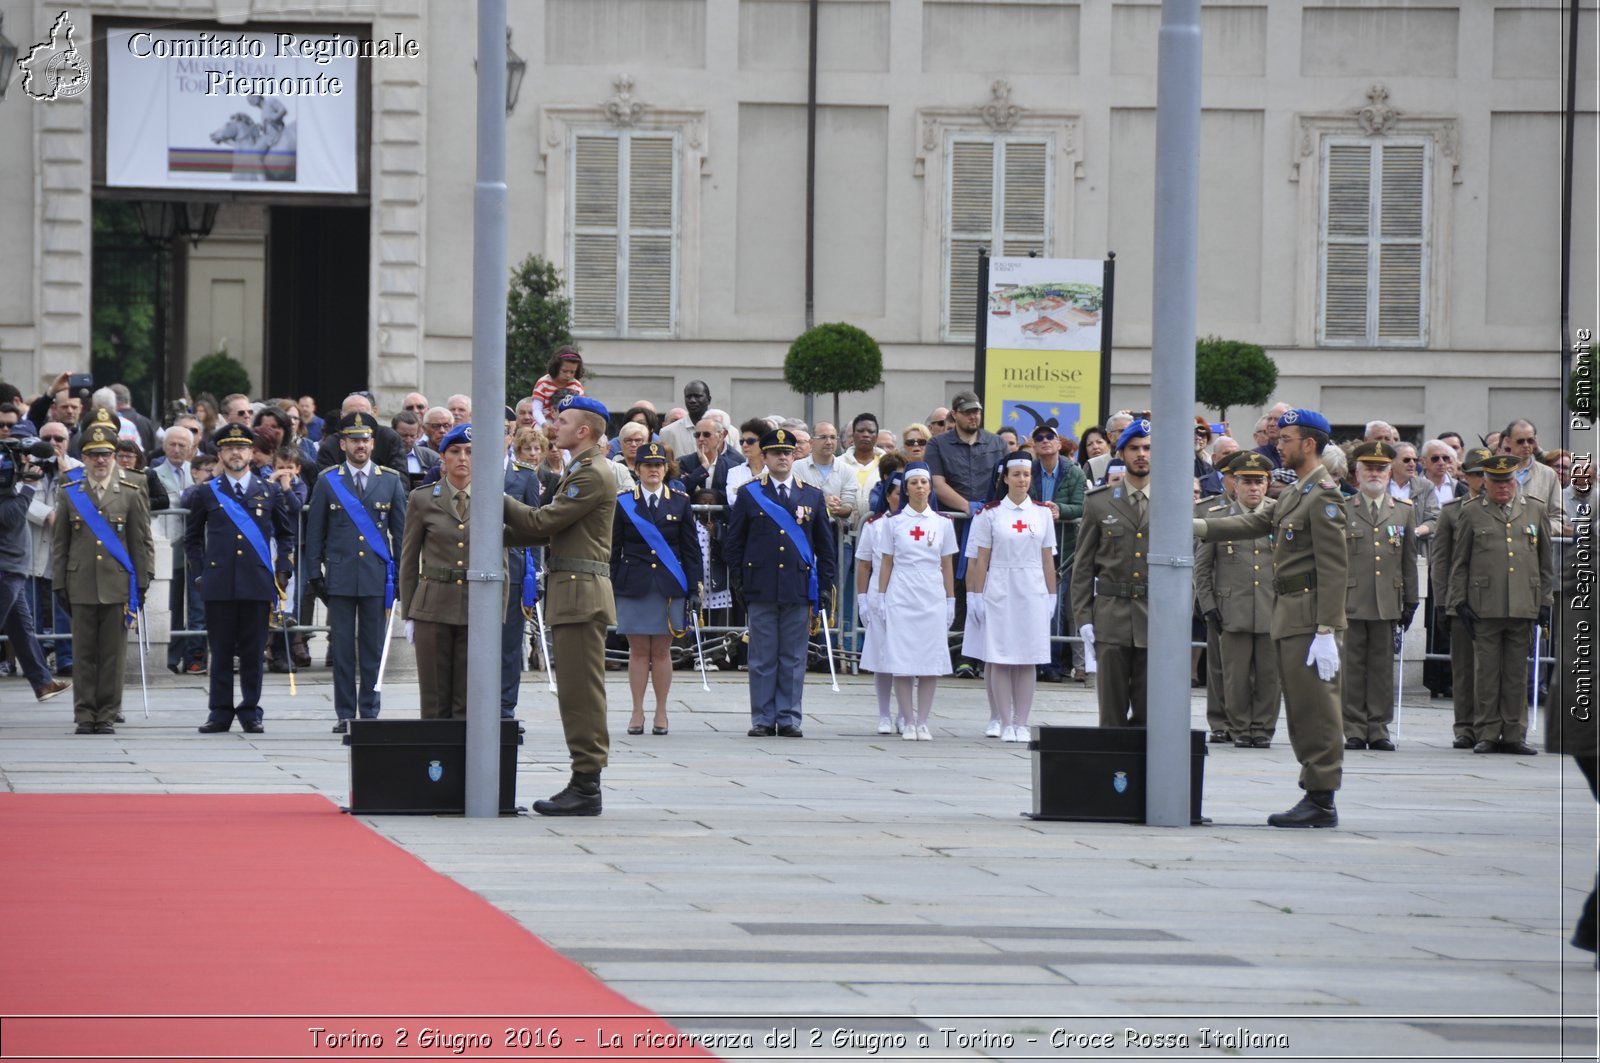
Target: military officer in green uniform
(1382, 591)
(1501, 583)
(1463, 694)
(433, 578)
(104, 560)
(1310, 567)
(1234, 583)
(1110, 588)
(576, 526)
(1206, 604)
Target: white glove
(1325, 655)
(411, 632)
(866, 607)
(1086, 633)
(949, 612)
(977, 608)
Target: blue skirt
(647, 615)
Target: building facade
(1380, 199)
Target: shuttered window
(998, 197)
(623, 234)
(1374, 262)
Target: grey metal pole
(486, 547)
(1171, 569)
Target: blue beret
(461, 433)
(585, 403)
(1133, 431)
(1306, 419)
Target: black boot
(1314, 810)
(580, 798)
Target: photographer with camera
(20, 464)
(49, 613)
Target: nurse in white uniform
(918, 575)
(867, 598)
(1011, 592)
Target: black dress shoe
(1261, 742)
(1521, 749)
(1219, 737)
(580, 798)
(278, 667)
(1314, 810)
(84, 729)
(119, 718)
(1486, 746)
(1382, 745)
(252, 728)
(1462, 742)
(790, 732)
(1242, 742)
(212, 727)
(342, 727)
(104, 729)
(1355, 743)
(1050, 675)
(636, 730)
(759, 731)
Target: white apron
(1016, 625)
(916, 639)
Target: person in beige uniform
(575, 523)
(1310, 567)
(1382, 591)
(433, 578)
(97, 588)
(1110, 582)
(1234, 583)
(1463, 694)
(1501, 582)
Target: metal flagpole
(1533, 699)
(827, 642)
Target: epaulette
(762, 476)
(524, 466)
(585, 461)
(1041, 505)
(1223, 505)
(1092, 490)
(875, 516)
(1453, 501)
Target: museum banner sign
(237, 112)
(1043, 350)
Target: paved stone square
(858, 888)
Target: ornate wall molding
(1377, 118)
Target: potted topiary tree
(218, 374)
(1232, 373)
(833, 358)
(538, 316)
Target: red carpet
(240, 923)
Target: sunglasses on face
(1437, 457)
(54, 439)
(1524, 442)
(916, 442)
(748, 441)
(416, 407)
(704, 435)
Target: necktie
(1372, 510)
(1138, 502)
(461, 505)
(652, 505)
(238, 490)
(361, 483)
(783, 493)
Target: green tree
(1581, 386)
(832, 358)
(1232, 373)
(538, 320)
(218, 374)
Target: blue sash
(654, 539)
(246, 526)
(107, 538)
(530, 582)
(791, 527)
(369, 530)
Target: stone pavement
(857, 889)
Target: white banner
(207, 110)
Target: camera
(28, 459)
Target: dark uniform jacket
(576, 524)
(1500, 565)
(695, 475)
(1383, 558)
(1235, 578)
(387, 450)
(336, 549)
(522, 484)
(218, 554)
(1110, 579)
(760, 557)
(84, 570)
(635, 570)
(1310, 563)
